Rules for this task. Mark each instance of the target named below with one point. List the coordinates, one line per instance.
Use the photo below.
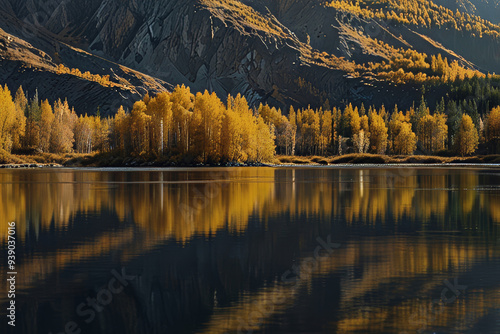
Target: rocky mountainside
(279, 51)
(487, 9)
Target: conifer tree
(32, 133)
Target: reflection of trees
(493, 204)
(181, 205)
(396, 260)
(157, 206)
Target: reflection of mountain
(210, 247)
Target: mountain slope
(278, 51)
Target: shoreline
(282, 166)
(344, 161)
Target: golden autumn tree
(467, 138)
(493, 124)
(20, 100)
(207, 127)
(266, 148)
(440, 134)
(327, 132)
(405, 140)
(351, 123)
(139, 123)
(7, 118)
(249, 129)
(426, 131)
(62, 137)
(119, 131)
(309, 130)
(83, 134)
(46, 122)
(378, 133)
(100, 133)
(19, 127)
(361, 141)
(397, 118)
(285, 137)
(182, 111)
(270, 115)
(492, 130)
(433, 132)
(160, 109)
(232, 134)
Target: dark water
(253, 250)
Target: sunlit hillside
(281, 52)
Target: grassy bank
(39, 158)
(384, 159)
(110, 160)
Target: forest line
(200, 128)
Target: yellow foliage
(467, 138)
(378, 133)
(7, 118)
(493, 124)
(100, 79)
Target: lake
(253, 250)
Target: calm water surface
(253, 250)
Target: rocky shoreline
(30, 166)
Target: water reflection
(210, 247)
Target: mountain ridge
(282, 52)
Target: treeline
(421, 13)
(177, 125)
(201, 128)
(446, 129)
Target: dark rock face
(34, 66)
(254, 47)
(203, 44)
